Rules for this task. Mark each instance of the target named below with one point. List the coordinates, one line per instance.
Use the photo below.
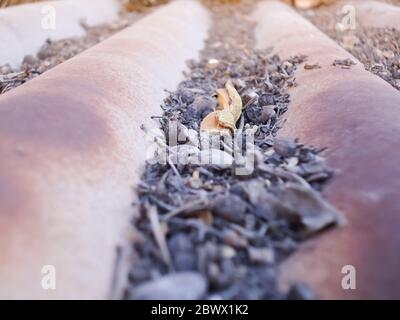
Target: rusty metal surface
(25, 28)
(376, 14)
(71, 151)
(357, 116)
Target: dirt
(377, 48)
(52, 53)
(220, 229)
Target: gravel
(233, 227)
(52, 53)
(377, 48)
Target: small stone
(266, 99)
(396, 74)
(227, 252)
(184, 261)
(250, 65)
(264, 204)
(253, 114)
(262, 255)
(221, 276)
(212, 63)
(203, 105)
(308, 209)
(249, 98)
(177, 286)
(186, 95)
(285, 147)
(44, 52)
(204, 102)
(267, 113)
(239, 84)
(231, 238)
(229, 207)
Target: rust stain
(356, 116)
(13, 195)
(57, 115)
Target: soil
(52, 53)
(377, 48)
(206, 231)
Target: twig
(159, 235)
(183, 208)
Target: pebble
(250, 96)
(227, 252)
(203, 105)
(239, 84)
(267, 113)
(262, 255)
(183, 252)
(176, 286)
(186, 95)
(285, 147)
(253, 114)
(266, 99)
(230, 207)
(212, 63)
(307, 206)
(44, 52)
(231, 238)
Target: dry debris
(343, 63)
(52, 53)
(377, 49)
(231, 228)
(228, 112)
(311, 66)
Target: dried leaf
(236, 101)
(210, 124)
(226, 119)
(228, 111)
(223, 99)
(229, 116)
